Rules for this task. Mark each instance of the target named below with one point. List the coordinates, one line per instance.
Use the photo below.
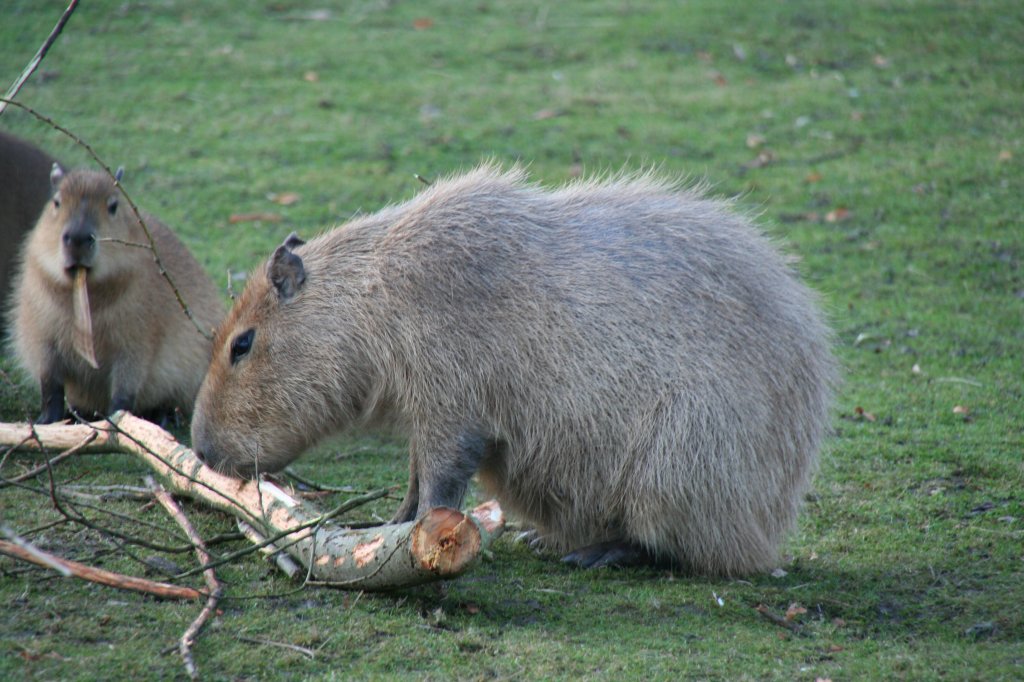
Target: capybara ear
(56, 175)
(119, 173)
(286, 272)
(293, 240)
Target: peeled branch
(440, 545)
(83, 318)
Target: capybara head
(285, 371)
(86, 208)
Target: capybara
(150, 357)
(628, 366)
(24, 190)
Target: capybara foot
(613, 553)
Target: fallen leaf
(764, 158)
(812, 177)
(839, 622)
(960, 409)
(422, 23)
(311, 77)
(834, 648)
(718, 78)
(856, 115)
(859, 411)
(794, 610)
(1005, 155)
(254, 217)
(284, 198)
(916, 369)
(837, 215)
(754, 140)
(880, 61)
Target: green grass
(901, 118)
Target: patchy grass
(881, 141)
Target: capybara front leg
(52, 388)
(444, 467)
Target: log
(440, 545)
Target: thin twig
(208, 334)
(777, 619)
(38, 556)
(98, 575)
(188, 638)
(40, 54)
(309, 653)
(32, 473)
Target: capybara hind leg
(52, 389)
(613, 553)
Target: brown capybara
(24, 190)
(627, 365)
(150, 357)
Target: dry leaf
(862, 414)
(880, 61)
(764, 158)
(837, 215)
(718, 78)
(254, 217)
(960, 409)
(284, 198)
(754, 140)
(795, 610)
(1005, 155)
(812, 177)
(422, 23)
(545, 114)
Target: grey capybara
(629, 366)
(24, 190)
(148, 355)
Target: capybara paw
(613, 553)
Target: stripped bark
(440, 545)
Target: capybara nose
(78, 240)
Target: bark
(440, 545)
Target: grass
(882, 143)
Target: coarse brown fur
(624, 363)
(24, 190)
(150, 355)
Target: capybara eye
(56, 203)
(241, 345)
(112, 206)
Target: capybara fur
(151, 357)
(628, 366)
(24, 190)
